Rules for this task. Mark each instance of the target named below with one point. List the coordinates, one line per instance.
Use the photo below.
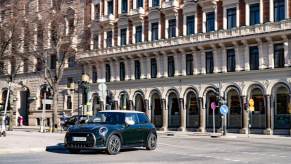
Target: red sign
(213, 105)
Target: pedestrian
(21, 120)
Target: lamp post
(45, 87)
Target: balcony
(136, 15)
(170, 7)
(201, 39)
(107, 20)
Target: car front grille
(90, 140)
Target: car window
(143, 119)
(131, 116)
(107, 118)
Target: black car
(66, 122)
(112, 131)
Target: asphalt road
(194, 150)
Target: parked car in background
(111, 131)
(66, 122)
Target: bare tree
(45, 36)
(64, 30)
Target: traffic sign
(223, 109)
(213, 105)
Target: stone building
(27, 88)
(172, 58)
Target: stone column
(143, 69)
(147, 109)
(286, 53)
(183, 66)
(202, 127)
(159, 66)
(261, 56)
(245, 129)
(117, 71)
(215, 61)
(269, 130)
(165, 116)
(115, 105)
(165, 64)
(195, 63)
(183, 115)
(148, 64)
(203, 64)
(176, 63)
(131, 107)
(112, 72)
(127, 70)
(271, 55)
(237, 59)
(224, 60)
(132, 71)
(247, 57)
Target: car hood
(89, 127)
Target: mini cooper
(112, 131)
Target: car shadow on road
(60, 149)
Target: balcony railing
(106, 18)
(197, 39)
(139, 11)
(170, 3)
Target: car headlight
(103, 131)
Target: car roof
(122, 111)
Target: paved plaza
(33, 147)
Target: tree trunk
(55, 108)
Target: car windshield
(107, 118)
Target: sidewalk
(25, 142)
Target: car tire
(74, 151)
(151, 143)
(113, 145)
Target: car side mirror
(129, 122)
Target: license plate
(79, 139)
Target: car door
(144, 126)
(131, 132)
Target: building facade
(27, 91)
(172, 58)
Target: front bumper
(92, 141)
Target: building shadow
(60, 149)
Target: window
(137, 71)
(2, 67)
(154, 68)
(231, 18)
(138, 34)
(210, 18)
(71, 61)
(209, 62)
(254, 58)
(95, 41)
(279, 55)
(53, 64)
(155, 31)
(139, 3)
(171, 66)
(123, 37)
(109, 39)
(107, 73)
(155, 3)
(189, 64)
(124, 6)
(131, 117)
(122, 71)
(110, 7)
(94, 74)
(69, 102)
(143, 119)
(190, 21)
(279, 10)
(254, 14)
(230, 60)
(172, 28)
